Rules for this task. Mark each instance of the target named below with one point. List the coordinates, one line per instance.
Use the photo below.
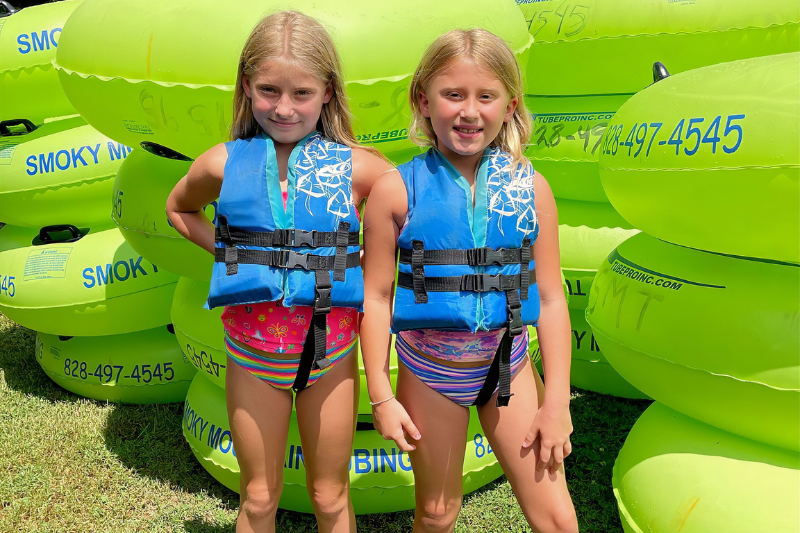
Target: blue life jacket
(463, 267)
(307, 254)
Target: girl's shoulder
(211, 163)
(367, 163)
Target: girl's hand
(393, 423)
(552, 428)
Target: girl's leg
(543, 497)
(438, 461)
(326, 418)
(259, 418)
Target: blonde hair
(304, 41)
(488, 51)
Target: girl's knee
(438, 516)
(559, 520)
(260, 502)
(330, 499)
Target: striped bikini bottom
(281, 373)
(461, 385)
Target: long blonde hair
(488, 51)
(306, 42)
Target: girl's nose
(469, 109)
(284, 106)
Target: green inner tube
(381, 480)
(29, 84)
(95, 285)
(711, 158)
(677, 474)
(59, 173)
(141, 188)
(597, 47)
(147, 74)
(711, 336)
(142, 367)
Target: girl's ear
(510, 108)
(328, 94)
(248, 90)
(423, 104)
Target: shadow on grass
(602, 424)
(21, 370)
(148, 439)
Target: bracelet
(373, 404)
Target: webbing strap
(504, 370)
(474, 256)
(418, 273)
(500, 370)
(314, 356)
(524, 259)
(283, 237)
(340, 263)
(467, 282)
(232, 256)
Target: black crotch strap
(524, 260)
(501, 358)
(418, 272)
(322, 306)
(500, 371)
(231, 251)
(342, 240)
(313, 356)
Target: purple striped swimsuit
(460, 385)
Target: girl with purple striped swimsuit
(467, 107)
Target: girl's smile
(286, 100)
(467, 106)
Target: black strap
(467, 282)
(418, 273)
(340, 263)
(314, 356)
(295, 238)
(474, 256)
(231, 255)
(524, 260)
(496, 373)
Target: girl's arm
(367, 168)
(384, 216)
(552, 425)
(193, 192)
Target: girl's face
(287, 101)
(467, 106)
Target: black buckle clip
(487, 256)
(296, 260)
(303, 238)
(515, 326)
(322, 363)
(322, 302)
(280, 237)
(490, 282)
(481, 282)
(224, 230)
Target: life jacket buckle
(296, 260)
(303, 238)
(515, 326)
(322, 302)
(487, 256)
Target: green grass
(71, 464)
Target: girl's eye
(268, 89)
